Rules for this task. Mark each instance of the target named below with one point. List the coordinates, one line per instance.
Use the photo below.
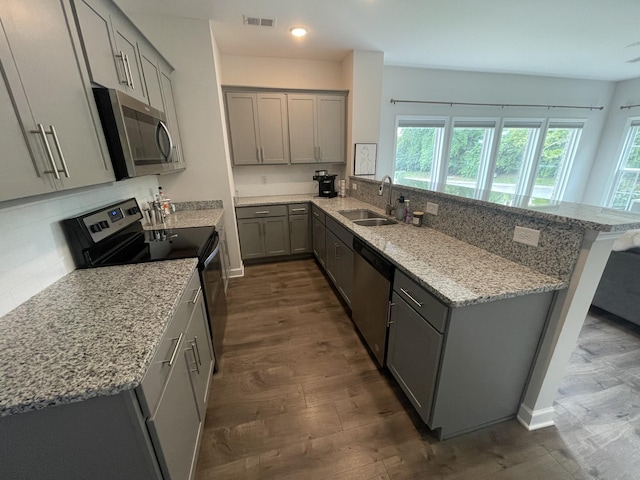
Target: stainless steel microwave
(137, 136)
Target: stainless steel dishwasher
(372, 278)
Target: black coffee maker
(326, 184)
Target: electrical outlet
(528, 236)
(354, 186)
(263, 178)
(432, 208)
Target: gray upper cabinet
(126, 40)
(317, 128)
(152, 79)
(170, 110)
(258, 128)
(55, 111)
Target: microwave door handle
(163, 127)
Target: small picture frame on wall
(364, 160)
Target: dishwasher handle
(383, 266)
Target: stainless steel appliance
(326, 184)
(137, 136)
(113, 235)
(372, 278)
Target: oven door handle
(213, 254)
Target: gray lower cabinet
(466, 367)
(299, 228)
(318, 238)
(339, 258)
(152, 432)
(263, 231)
(51, 134)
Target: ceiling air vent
(259, 22)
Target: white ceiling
(567, 38)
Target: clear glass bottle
(407, 211)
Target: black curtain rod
(501, 105)
(629, 106)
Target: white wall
(457, 86)
(188, 44)
(610, 148)
(280, 73)
(34, 251)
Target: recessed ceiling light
(299, 31)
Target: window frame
(487, 167)
(623, 158)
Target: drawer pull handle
(262, 212)
(195, 361)
(172, 359)
(194, 344)
(410, 297)
(298, 209)
(316, 214)
(196, 296)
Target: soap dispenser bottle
(400, 209)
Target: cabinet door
(250, 231)
(242, 113)
(126, 39)
(346, 272)
(21, 175)
(302, 128)
(331, 128)
(413, 355)
(276, 236)
(332, 264)
(171, 112)
(299, 229)
(199, 356)
(272, 126)
(105, 68)
(77, 148)
(151, 75)
(175, 425)
(319, 241)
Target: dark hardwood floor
(297, 396)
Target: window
(418, 148)
(500, 160)
(626, 185)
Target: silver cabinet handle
(410, 297)
(196, 296)
(195, 361)
(262, 154)
(172, 359)
(299, 210)
(130, 75)
(194, 344)
(319, 154)
(262, 212)
(316, 214)
(126, 81)
(258, 154)
(47, 148)
(56, 142)
(389, 321)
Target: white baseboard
(534, 420)
(236, 272)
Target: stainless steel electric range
(113, 235)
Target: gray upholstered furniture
(619, 288)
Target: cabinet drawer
(341, 232)
(159, 369)
(421, 301)
(298, 209)
(261, 211)
(317, 213)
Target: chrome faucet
(388, 208)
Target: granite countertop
(92, 333)
(210, 217)
(457, 273)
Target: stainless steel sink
(374, 222)
(366, 218)
(359, 214)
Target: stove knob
(104, 224)
(95, 228)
